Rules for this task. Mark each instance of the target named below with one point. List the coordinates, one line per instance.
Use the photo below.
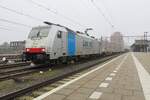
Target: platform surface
(126, 77)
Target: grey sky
(131, 17)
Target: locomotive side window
(90, 44)
(59, 34)
(87, 44)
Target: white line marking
(104, 85)
(115, 71)
(144, 78)
(74, 80)
(112, 74)
(96, 95)
(108, 79)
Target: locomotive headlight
(43, 49)
(27, 50)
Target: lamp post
(145, 41)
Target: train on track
(57, 43)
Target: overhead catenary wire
(56, 13)
(8, 29)
(42, 6)
(2, 28)
(21, 13)
(16, 23)
(102, 13)
(110, 16)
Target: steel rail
(10, 74)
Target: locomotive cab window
(39, 32)
(59, 34)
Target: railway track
(12, 74)
(4, 66)
(56, 80)
(20, 71)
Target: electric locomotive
(57, 43)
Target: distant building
(13, 47)
(105, 45)
(17, 44)
(141, 46)
(117, 42)
(4, 45)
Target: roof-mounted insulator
(49, 23)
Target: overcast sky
(131, 17)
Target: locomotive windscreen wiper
(38, 34)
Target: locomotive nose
(35, 50)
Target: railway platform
(126, 77)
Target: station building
(141, 46)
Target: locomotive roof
(85, 35)
(49, 23)
(77, 32)
(46, 26)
